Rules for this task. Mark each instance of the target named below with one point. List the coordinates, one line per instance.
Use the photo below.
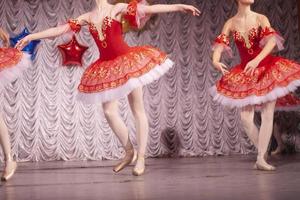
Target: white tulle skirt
(11, 73)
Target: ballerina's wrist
(31, 37)
(179, 7)
(258, 59)
(215, 63)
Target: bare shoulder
(263, 20)
(119, 7)
(118, 10)
(234, 21)
(262, 17)
(228, 26)
(230, 21)
(85, 18)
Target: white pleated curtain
(47, 123)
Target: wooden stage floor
(228, 177)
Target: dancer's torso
(112, 44)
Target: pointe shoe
(9, 170)
(129, 158)
(139, 168)
(264, 167)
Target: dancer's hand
(221, 67)
(6, 40)
(6, 43)
(4, 37)
(190, 9)
(251, 66)
(23, 42)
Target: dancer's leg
(10, 165)
(136, 102)
(247, 117)
(280, 144)
(113, 118)
(265, 133)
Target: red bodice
(249, 50)
(250, 45)
(257, 37)
(112, 45)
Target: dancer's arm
(164, 8)
(52, 32)
(4, 37)
(160, 8)
(268, 48)
(220, 48)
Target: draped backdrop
(47, 123)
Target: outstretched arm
(4, 37)
(220, 48)
(51, 32)
(268, 48)
(161, 8)
(164, 8)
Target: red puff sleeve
(135, 14)
(223, 40)
(74, 25)
(267, 33)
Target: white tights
(136, 103)
(262, 137)
(4, 140)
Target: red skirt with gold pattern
(113, 79)
(274, 78)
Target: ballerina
(121, 70)
(260, 78)
(12, 63)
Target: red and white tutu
(12, 64)
(139, 67)
(274, 78)
(120, 68)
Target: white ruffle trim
(10, 74)
(124, 90)
(141, 16)
(276, 93)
